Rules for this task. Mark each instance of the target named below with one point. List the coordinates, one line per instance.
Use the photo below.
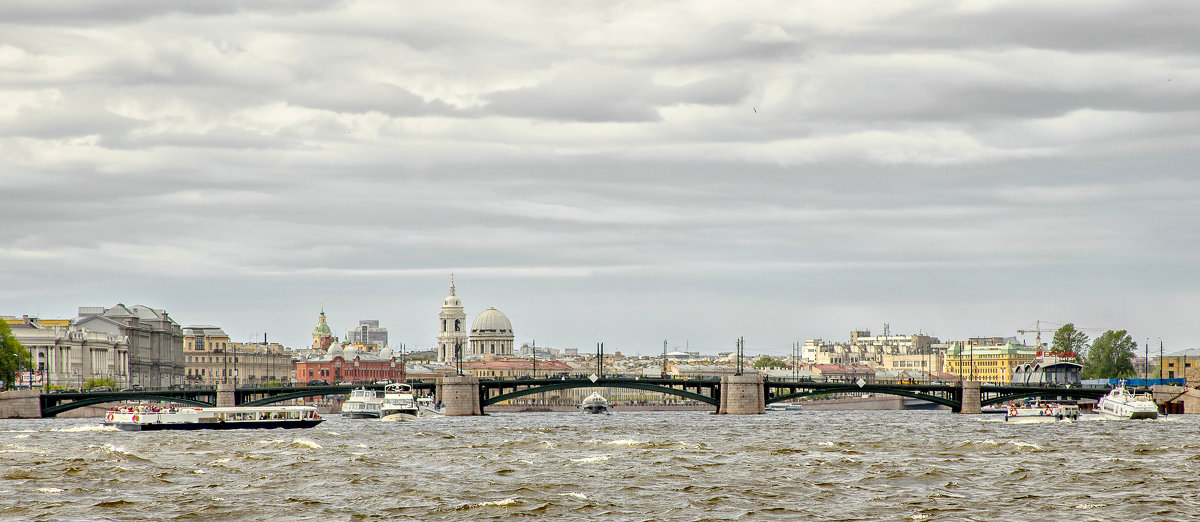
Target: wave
(89, 427)
(306, 443)
(587, 460)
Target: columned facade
(491, 334)
(452, 327)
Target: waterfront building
(338, 364)
(205, 353)
(844, 372)
(993, 364)
(452, 328)
(68, 355)
(212, 358)
(367, 333)
(926, 362)
(1184, 364)
(260, 363)
(515, 368)
(322, 334)
(155, 341)
(491, 334)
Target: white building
(492, 334)
(452, 327)
(69, 355)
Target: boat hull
(239, 425)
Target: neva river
(852, 465)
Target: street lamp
(458, 357)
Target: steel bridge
(496, 391)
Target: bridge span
(468, 395)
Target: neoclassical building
(491, 333)
(452, 329)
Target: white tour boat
(784, 406)
(595, 403)
(363, 404)
(1121, 404)
(398, 402)
(1024, 412)
(153, 417)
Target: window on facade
(457, 325)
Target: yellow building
(987, 363)
(1185, 365)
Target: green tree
(769, 362)
(13, 356)
(1110, 357)
(1068, 339)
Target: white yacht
(363, 404)
(595, 403)
(1121, 404)
(398, 402)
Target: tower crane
(1038, 330)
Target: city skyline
(617, 173)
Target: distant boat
(426, 408)
(363, 404)
(594, 403)
(1120, 403)
(154, 418)
(1025, 412)
(784, 406)
(398, 402)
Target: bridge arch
(61, 407)
(628, 384)
(1074, 393)
(953, 404)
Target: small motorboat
(594, 403)
(399, 403)
(363, 404)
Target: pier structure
(460, 395)
(742, 395)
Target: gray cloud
(619, 173)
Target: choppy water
(626, 466)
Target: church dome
(335, 350)
(452, 300)
(350, 353)
(385, 353)
(491, 321)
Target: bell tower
(452, 327)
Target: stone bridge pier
(460, 395)
(742, 395)
(21, 404)
(970, 399)
(225, 395)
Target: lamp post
(1146, 369)
(1160, 360)
(458, 357)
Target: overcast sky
(607, 172)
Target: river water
(830, 465)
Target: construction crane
(1038, 330)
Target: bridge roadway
(495, 391)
